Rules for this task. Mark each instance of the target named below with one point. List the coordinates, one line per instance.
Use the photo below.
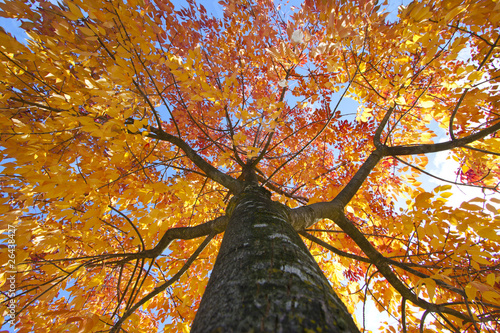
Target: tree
(136, 136)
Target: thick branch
(358, 179)
(217, 226)
(213, 173)
(338, 216)
(305, 216)
(435, 147)
(380, 128)
(386, 260)
(334, 211)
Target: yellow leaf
(185, 328)
(431, 287)
(470, 291)
(491, 208)
(252, 152)
(86, 31)
(453, 13)
(491, 296)
(422, 200)
(239, 138)
(475, 76)
(426, 137)
(74, 10)
(475, 265)
(426, 103)
(468, 206)
(441, 277)
(490, 279)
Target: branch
(435, 147)
(215, 226)
(150, 104)
(131, 223)
(380, 128)
(329, 119)
(278, 190)
(334, 211)
(46, 107)
(62, 278)
(213, 173)
(454, 113)
(383, 267)
(164, 286)
(333, 249)
(482, 150)
(348, 192)
(442, 179)
(305, 216)
(387, 260)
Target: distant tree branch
(378, 132)
(329, 119)
(278, 190)
(454, 113)
(41, 106)
(482, 150)
(60, 278)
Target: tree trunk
(265, 279)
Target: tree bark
(265, 279)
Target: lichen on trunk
(265, 279)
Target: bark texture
(265, 279)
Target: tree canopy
(127, 126)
